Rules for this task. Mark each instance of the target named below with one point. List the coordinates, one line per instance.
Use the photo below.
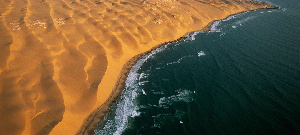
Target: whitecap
(191, 36)
(141, 76)
(229, 18)
(141, 83)
(144, 92)
(181, 96)
(201, 53)
(214, 26)
(222, 34)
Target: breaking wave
(181, 96)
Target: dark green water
(242, 78)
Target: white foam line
(191, 36)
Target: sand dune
(61, 59)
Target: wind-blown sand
(62, 61)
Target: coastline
(64, 63)
(90, 123)
(97, 116)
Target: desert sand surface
(62, 61)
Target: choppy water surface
(241, 78)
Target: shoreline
(90, 123)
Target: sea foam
(182, 95)
(191, 36)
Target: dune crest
(60, 60)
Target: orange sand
(61, 59)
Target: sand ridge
(61, 59)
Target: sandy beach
(64, 62)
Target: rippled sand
(61, 59)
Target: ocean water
(241, 78)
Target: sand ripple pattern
(60, 59)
